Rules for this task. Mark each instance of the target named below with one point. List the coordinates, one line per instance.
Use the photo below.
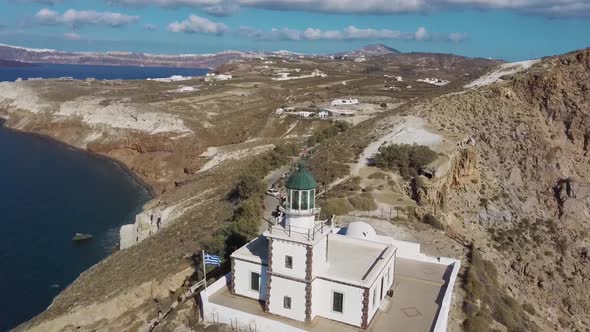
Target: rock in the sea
(81, 237)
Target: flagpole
(204, 269)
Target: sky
(507, 29)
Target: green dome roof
(301, 180)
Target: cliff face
(434, 192)
(524, 202)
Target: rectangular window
(289, 262)
(296, 199)
(255, 281)
(287, 302)
(304, 198)
(338, 302)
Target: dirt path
(270, 202)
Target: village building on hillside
(217, 77)
(304, 274)
(342, 102)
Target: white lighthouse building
(302, 268)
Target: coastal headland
(191, 141)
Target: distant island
(11, 63)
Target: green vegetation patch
(404, 158)
(248, 197)
(336, 128)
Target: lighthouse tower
(300, 211)
(292, 246)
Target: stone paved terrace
(418, 292)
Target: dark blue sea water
(44, 70)
(48, 192)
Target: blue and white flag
(212, 260)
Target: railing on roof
(307, 233)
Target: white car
(272, 192)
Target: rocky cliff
(526, 203)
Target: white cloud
(421, 34)
(225, 8)
(355, 33)
(349, 33)
(74, 17)
(72, 36)
(457, 37)
(197, 24)
(44, 2)
(549, 8)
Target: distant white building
(434, 81)
(305, 114)
(217, 77)
(323, 114)
(318, 73)
(341, 102)
(279, 111)
(397, 78)
(223, 77)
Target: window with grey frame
(337, 302)
(289, 262)
(255, 281)
(286, 302)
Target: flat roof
(254, 251)
(355, 261)
(414, 307)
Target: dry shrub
(363, 202)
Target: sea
(49, 192)
(46, 70)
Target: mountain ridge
(371, 50)
(206, 60)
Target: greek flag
(212, 260)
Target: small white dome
(360, 230)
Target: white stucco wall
(389, 268)
(280, 249)
(215, 313)
(322, 301)
(319, 256)
(407, 249)
(242, 270)
(300, 223)
(281, 287)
